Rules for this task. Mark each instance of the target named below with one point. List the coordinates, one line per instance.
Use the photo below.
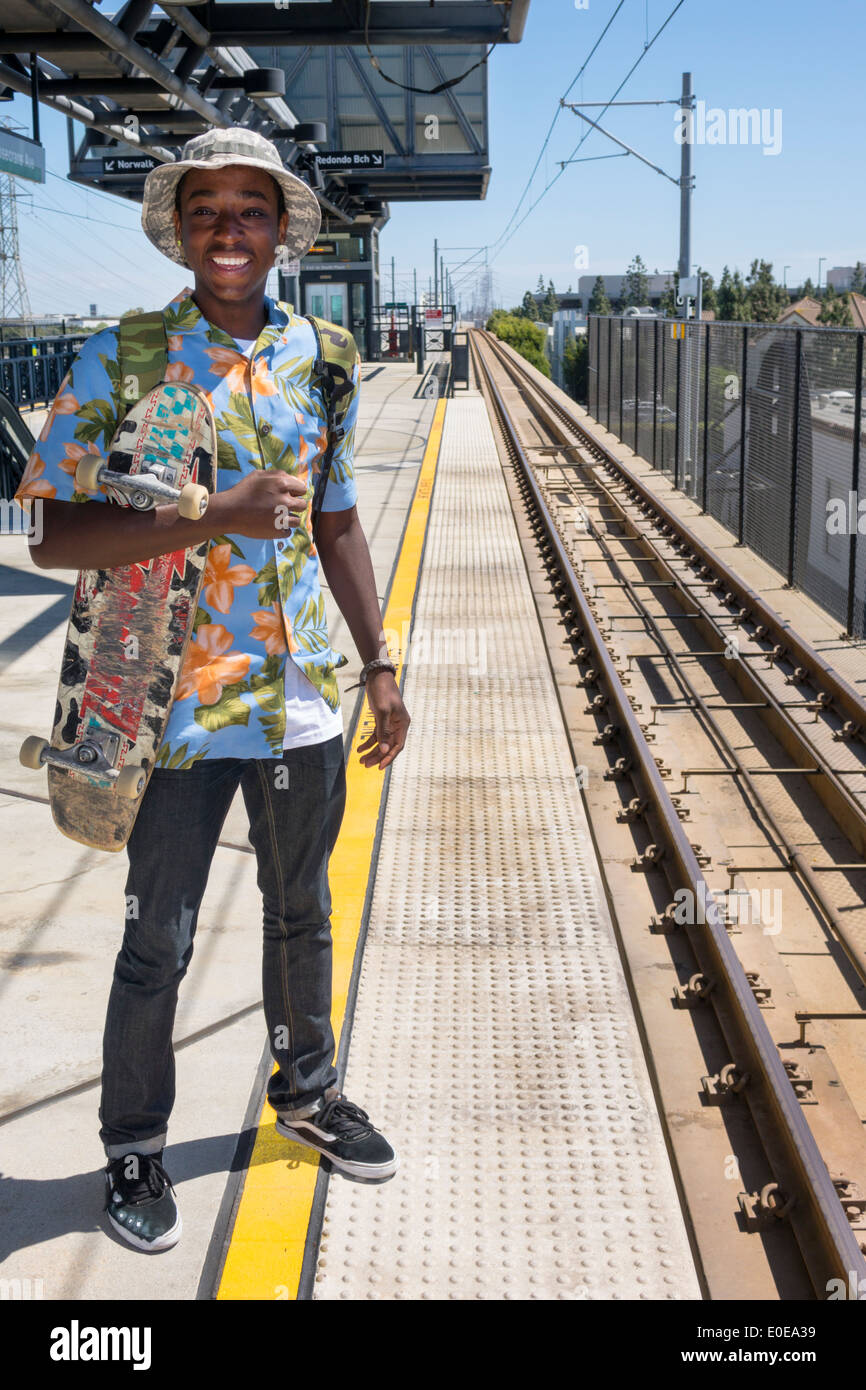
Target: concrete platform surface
(61, 925)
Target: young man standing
(257, 704)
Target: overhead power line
(585, 137)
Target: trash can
(460, 360)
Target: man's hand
(264, 505)
(392, 721)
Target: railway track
(681, 666)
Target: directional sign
(338, 161)
(128, 163)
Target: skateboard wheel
(87, 472)
(31, 752)
(193, 501)
(130, 781)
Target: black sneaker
(343, 1133)
(140, 1201)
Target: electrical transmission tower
(14, 300)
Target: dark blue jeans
(293, 829)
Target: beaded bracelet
(380, 663)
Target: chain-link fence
(761, 425)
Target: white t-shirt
(308, 718)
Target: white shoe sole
(357, 1170)
(165, 1242)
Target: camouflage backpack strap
(142, 356)
(332, 369)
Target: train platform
(481, 1009)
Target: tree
(668, 301)
(836, 309)
(575, 365)
(529, 307)
(731, 297)
(765, 300)
(635, 289)
(549, 304)
(127, 312)
(858, 279)
(539, 289)
(808, 290)
(709, 298)
(598, 300)
(524, 337)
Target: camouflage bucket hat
(216, 149)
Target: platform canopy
(326, 78)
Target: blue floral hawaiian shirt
(261, 600)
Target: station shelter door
(329, 301)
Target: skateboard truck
(142, 490)
(94, 756)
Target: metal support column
(795, 441)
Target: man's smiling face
(230, 223)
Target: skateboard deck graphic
(129, 627)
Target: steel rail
(797, 860)
(824, 675)
(829, 1247)
(802, 745)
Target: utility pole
(14, 300)
(435, 272)
(686, 185)
(414, 285)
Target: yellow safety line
(266, 1250)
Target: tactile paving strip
(493, 1039)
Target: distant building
(841, 277)
(802, 314)
(569, 320)
(857, 303)
(657, 286)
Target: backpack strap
(142, 357)
(332, 369)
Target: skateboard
(129, 627)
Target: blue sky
(790, 208)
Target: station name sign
(337, 161)
(129, 163)
(21, 156)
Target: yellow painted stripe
(267, 1244)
